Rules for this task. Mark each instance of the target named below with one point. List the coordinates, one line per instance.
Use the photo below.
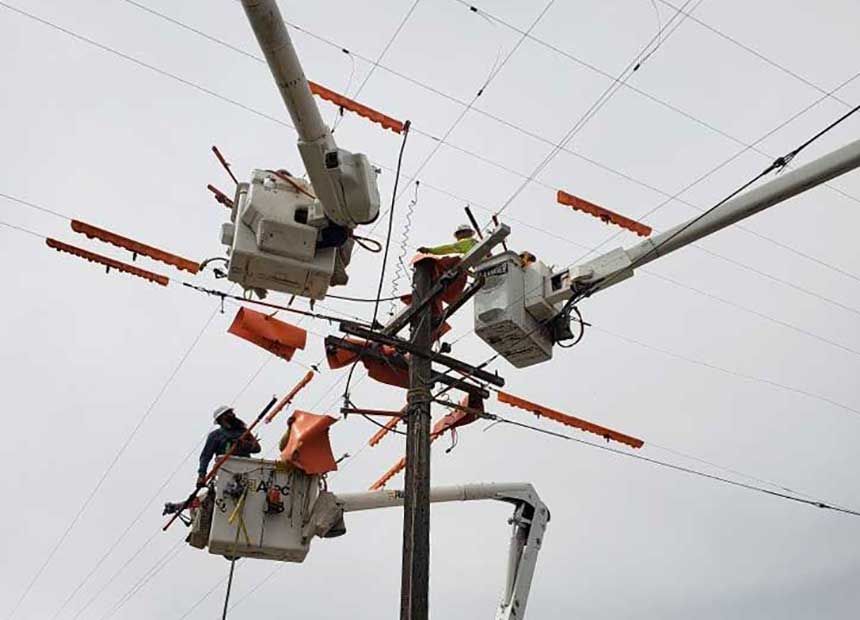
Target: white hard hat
(221, 411)
(464, 228)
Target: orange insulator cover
(353, 106)
(568, 420)
(131, 245)
(107, 262)
(610, 217)
(277, 337)
(308, 446)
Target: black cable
(390, 429)
(390, 222)
(229, 587)
(224, 295)
(687, 470)
(371, 245)
(364, 300)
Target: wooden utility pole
(414, 590)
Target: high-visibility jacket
(458, 247)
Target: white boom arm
(618, 265)
(345, 183)
(529, 524)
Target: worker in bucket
(465, 236)
(230, 430)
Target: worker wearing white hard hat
(465, 236)
(230, 430)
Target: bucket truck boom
(517, 310)
(286, 234)
(239, 518)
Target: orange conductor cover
(277, 337)
(604, 214)
(568, 420)
(135, 246)
(353, 106)
(107, 262)
(308, 446)
(395, 469)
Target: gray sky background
(686, 355)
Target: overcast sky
(742, 351)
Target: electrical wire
(390, 222)
(500, 120)
(400, 269)
(225, 295)
(592, 110)
(385, 49)
(462, 115)
(687, 470)
(123, 447)
(159, 565)
(22, 229)
(532, 134)
(776, 165)
(749, 49)
(364, 300)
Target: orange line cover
(286, 400)
(135, 246)
(567, 420)
(395, 469)
(353, 106)
(107, 262)
(606, 215)
(277, 337)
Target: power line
(119, 539)
(435, 188)
(496, 118)
(386, 48)
(760, 56)
(495, 72)
(146, 65)
(727, 371)
(160, 565)
(113, 463)
(675, 197)
(390, 217)
(592, 110)
(687, 470)
(22, 229)
(690, 360)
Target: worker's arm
(208, 452)
(250, 445)
(458, 247)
